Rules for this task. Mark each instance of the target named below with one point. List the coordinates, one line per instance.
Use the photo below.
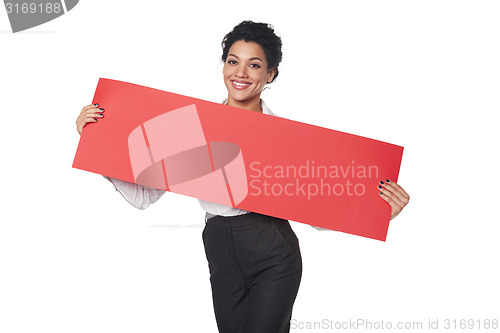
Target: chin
(240, 97)
(243, 96)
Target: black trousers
(255, 271)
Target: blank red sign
(245, 159)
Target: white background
(75, 257)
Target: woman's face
(245, 72)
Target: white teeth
(241, 84)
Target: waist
(210, 215)
(241, 220)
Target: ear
(271, 75)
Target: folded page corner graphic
(170, 152)
(289, 170)
(24, 15)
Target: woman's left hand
(394, 195)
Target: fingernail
(101, 114)
(387, 180)
(101, 109)
(379, 186)
(96, 104)
(381, 182)
(380, 193)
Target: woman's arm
(138, 196)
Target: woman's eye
(255, 66)
(232, 62)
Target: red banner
(245, 159)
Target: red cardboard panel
(245, 159)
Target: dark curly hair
(260, 33)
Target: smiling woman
(254, 259)
(251, 55)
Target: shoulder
(266, 110)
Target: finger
(396, 190)
(87, 107)
(90, 106)
(82, 124)
(399, 188)
(393, 190)
(386, 191)
(91, 118)
(395, 207)
(88, 118)
(90, 112)
(94, 114)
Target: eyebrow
(253, 58)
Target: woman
(254, 260)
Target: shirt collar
(263, 105)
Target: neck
(252, 105)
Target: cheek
(264, 78)
(226, 71)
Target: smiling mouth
(240, 85)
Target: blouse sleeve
(320, 229)
(138, 196)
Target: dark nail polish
(96, 104)
(101, 109)
(379, 186)
(101, 114)
(381, 182)
(380, 193)
(387, 180)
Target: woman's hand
(394, 195)
(89, 114)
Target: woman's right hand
(90, 114)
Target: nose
(241, 71)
